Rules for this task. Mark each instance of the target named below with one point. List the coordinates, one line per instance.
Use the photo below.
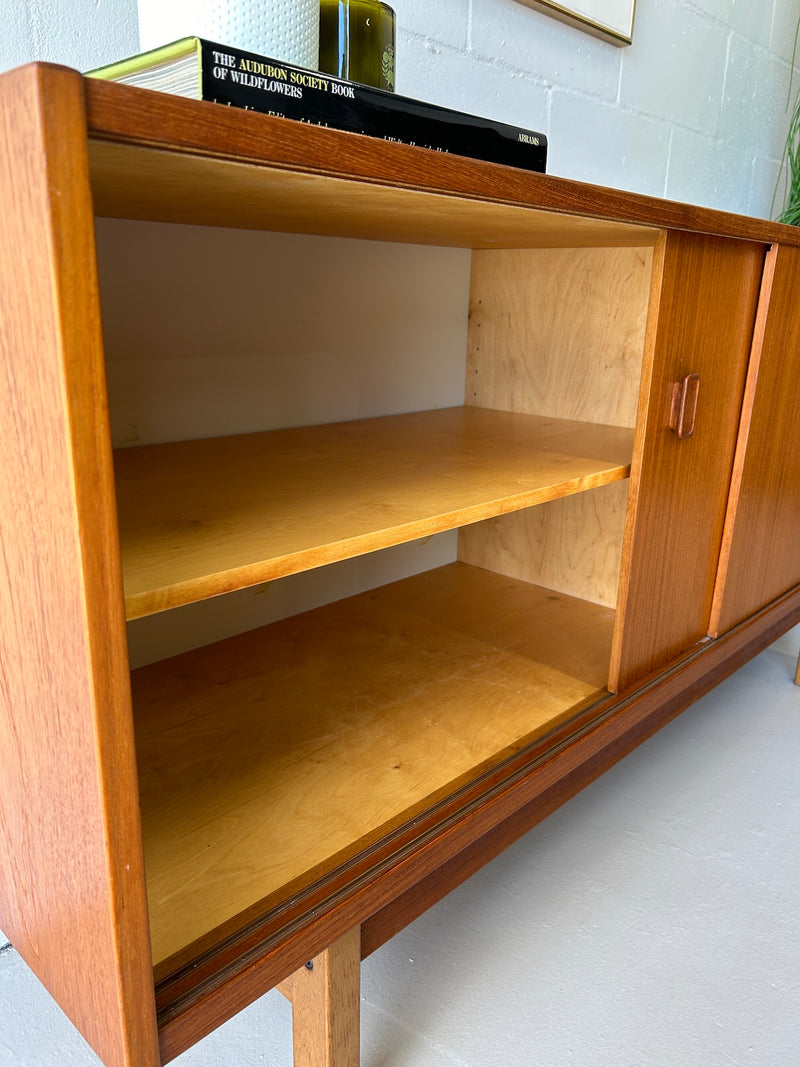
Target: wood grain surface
(71, 877)
(199, 518)
(299, 780)
(572, 545)
(761, 545)
(130, 116)
(559, 332)
(267, 759)
(435, 853)
(701, 670)
(703, 308)
(326, 1006)
(139, 183)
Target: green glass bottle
(356, 41)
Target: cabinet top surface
(163, 157)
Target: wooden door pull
(683, 409)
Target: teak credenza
(619, 491)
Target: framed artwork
(611, 20)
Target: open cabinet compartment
(270, 760)
(450, 642)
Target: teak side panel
(703, 307)
(761, 545)
(71, 874)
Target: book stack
(202, 70)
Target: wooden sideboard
(623, 474)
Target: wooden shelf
(269, 758)
(198, 518)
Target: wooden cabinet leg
(797, 675)
(326, 1006)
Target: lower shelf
(269, 759)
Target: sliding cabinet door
(761, 545)
(703, 303)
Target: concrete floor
(654, 921)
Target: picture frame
(610, 20)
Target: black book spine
(242, 79)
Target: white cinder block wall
(693, 110)
(77, 33)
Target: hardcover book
(202, 70)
